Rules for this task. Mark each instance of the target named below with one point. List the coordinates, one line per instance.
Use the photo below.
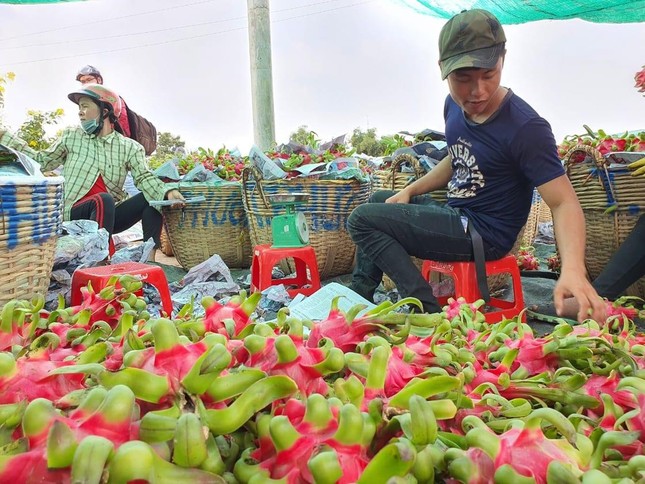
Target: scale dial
(302, 229)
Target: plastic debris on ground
(134, 253)
(545, 234)
(127, 237)
(210, 278)
(273, 298)
(83, 244)
(317, 306)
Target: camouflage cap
(472, 38)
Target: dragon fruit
(231, 318)
(527, 450)
(346, 330)
(28, 378)
(639, 77)
(300, 432)
(526, 259)
(286, 354)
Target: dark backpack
(142, 131)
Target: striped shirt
(84, 156)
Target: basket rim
(31, 180)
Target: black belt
(480, 259)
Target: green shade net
(521, 11)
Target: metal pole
(261, 75)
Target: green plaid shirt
(84, 157)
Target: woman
(96, 158)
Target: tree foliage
(367, 143)
(306, 137)
(168, 143)
(168, 146)
(4, 80)
(33, 130)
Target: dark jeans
(626, 266)
(387, 234)
(116, 218)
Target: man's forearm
(570, 234)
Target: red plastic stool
(465, 278)
(111, 247)
(99, 276)
(265, 258)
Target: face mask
(90, 126)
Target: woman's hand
(176, 195)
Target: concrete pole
(261, 76)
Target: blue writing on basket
(36, 214)
(263, 222)
(326, 222)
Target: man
(91, 75)
(96, 158)
(499, 150)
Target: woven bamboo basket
(166, 247)
(216, 226)
(533, 221)
(31, 216)
(329, 205)
(395, 179)
(544, 212)
(612, 201)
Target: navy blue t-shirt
(497, 164)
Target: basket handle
(601, 165)
(403, 158)
(246, 173)
(592, 152)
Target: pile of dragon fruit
(103, 392)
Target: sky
(337, 65)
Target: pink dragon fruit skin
(529, 452)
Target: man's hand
(576, 285)
(176, 195)
(399, 197)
